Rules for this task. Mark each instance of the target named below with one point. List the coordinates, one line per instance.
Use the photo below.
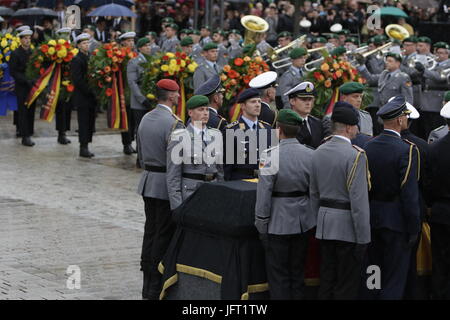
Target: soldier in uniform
(196, 47)
(153, 136)
(283, 38)
(391, 82)
(151, 35)
(127, 40)
(352, 93)
(184, 177)
(319, 42)
(441, 131)
(394, 200)
(267, 83)
(339, 197)
(205, 33)
(243, 164)
(424, 46)
(334, 40)
(301, 99)
(186, 45)
(17, 67)
(171, 42)
(83, 97)
(434, 89)
(139, 104)
(235, 49)
(164, 23)
(213, 90)
(218, 37)
(283, 214)
(93, 43)
(263, 46)
(439, 220)
(209, 67)
(293, 76)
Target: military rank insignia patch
(408, 83)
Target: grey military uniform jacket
(153, 137)
(365, 123)
(223, 55)
(234, 51)
(204, 72)
(262, 47)
(375, 66)
(438, 133)
(340, 172)
(93, 44)
(134, 76)
(416, 78)
(435, 87)
(288, 80)
(155, 49)
(197, 54)
(399, 83)
(170, 45)
(193, 162)
(284, 215)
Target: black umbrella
(34, 12)
(4, 11)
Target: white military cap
(303, 89)
(64, 30)
(82, 37)
(264, 80)
(305, 23)
(445, 111)
(22, 28)
(127, 35)
(25, 33)
(413, 113)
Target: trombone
(274, 54)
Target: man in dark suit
(394, 200)
(17, 66)
(101, 32)
(440, 211)
(301, 99)
(83, 98)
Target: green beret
(441, 45)
(210, 45)
(289, 117)
(320, 40)
(351, 87)
(339, 51)
(394, 55)
(189, 31)
(206, 27)
(172, 25)
(151, 33)
(196, 32)
(298, 53)
(235, 31)
(221, 32)
(412, 39)
(383, 37)
(90, 27)
(344, 32)
(183, 31)
(333, 36)
(142, 42)
(196, 102)
(378, 40)
(352, 40)
(167, 20)
(363, 44)
(424, 39)
(186, 41)
(447, 96)
(248, 49)
(283, 34)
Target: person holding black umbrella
(17, 65)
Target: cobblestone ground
(57, 210)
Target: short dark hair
(162, 94)
(288, 130)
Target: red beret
(167, 84)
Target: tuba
(255, 27)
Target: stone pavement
(58, 210)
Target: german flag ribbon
(235, 112)
(333, 100)
(123, 106)
(117, 114)
(40, 85)
(181, 107)
(48, 110)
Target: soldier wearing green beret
(218, 37)
(209, 66)
(196, 166)
(164, 22)
(151, 35)
(182, 33)
(234, 39)
(283, 215)
(293, 76)
(283, 39)
(334, 40)
(186, 45)
(424, 46)
(171, 42)
(196, 48)
(205, 33)
(343, 35)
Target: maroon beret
(168, 84)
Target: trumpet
(312, 65)
(445, 74)
(429, 62)
(274, 54)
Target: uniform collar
(214, 110)
(249, 122)
(197, 130)
(343, 138)
(163, 106)
(391, 132)
(289, 141)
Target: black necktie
(305, 135)
(254, 126)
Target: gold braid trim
(418, 163)
(353, 170)
(369, 184)
(409, 165)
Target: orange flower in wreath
(226, 68)
(238, 62)
(107, 69)
(44, 48)
(109, 92)
(233, 74)
(70, 88)
(324, 67)
(328, 84)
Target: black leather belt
(384, 197)
(335, 204)
(292, 194)
(249, 172)
(154, 168)
(203, 177)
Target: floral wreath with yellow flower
(8, 43)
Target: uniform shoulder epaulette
(231, 125)
(438, 128)
(312, 117)
(358, 148)
(213, 129)
(364, 111)
(271, 148)
(266, 123)
(177, 132)
(176, 117)
(409, 142)
(326, 139)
